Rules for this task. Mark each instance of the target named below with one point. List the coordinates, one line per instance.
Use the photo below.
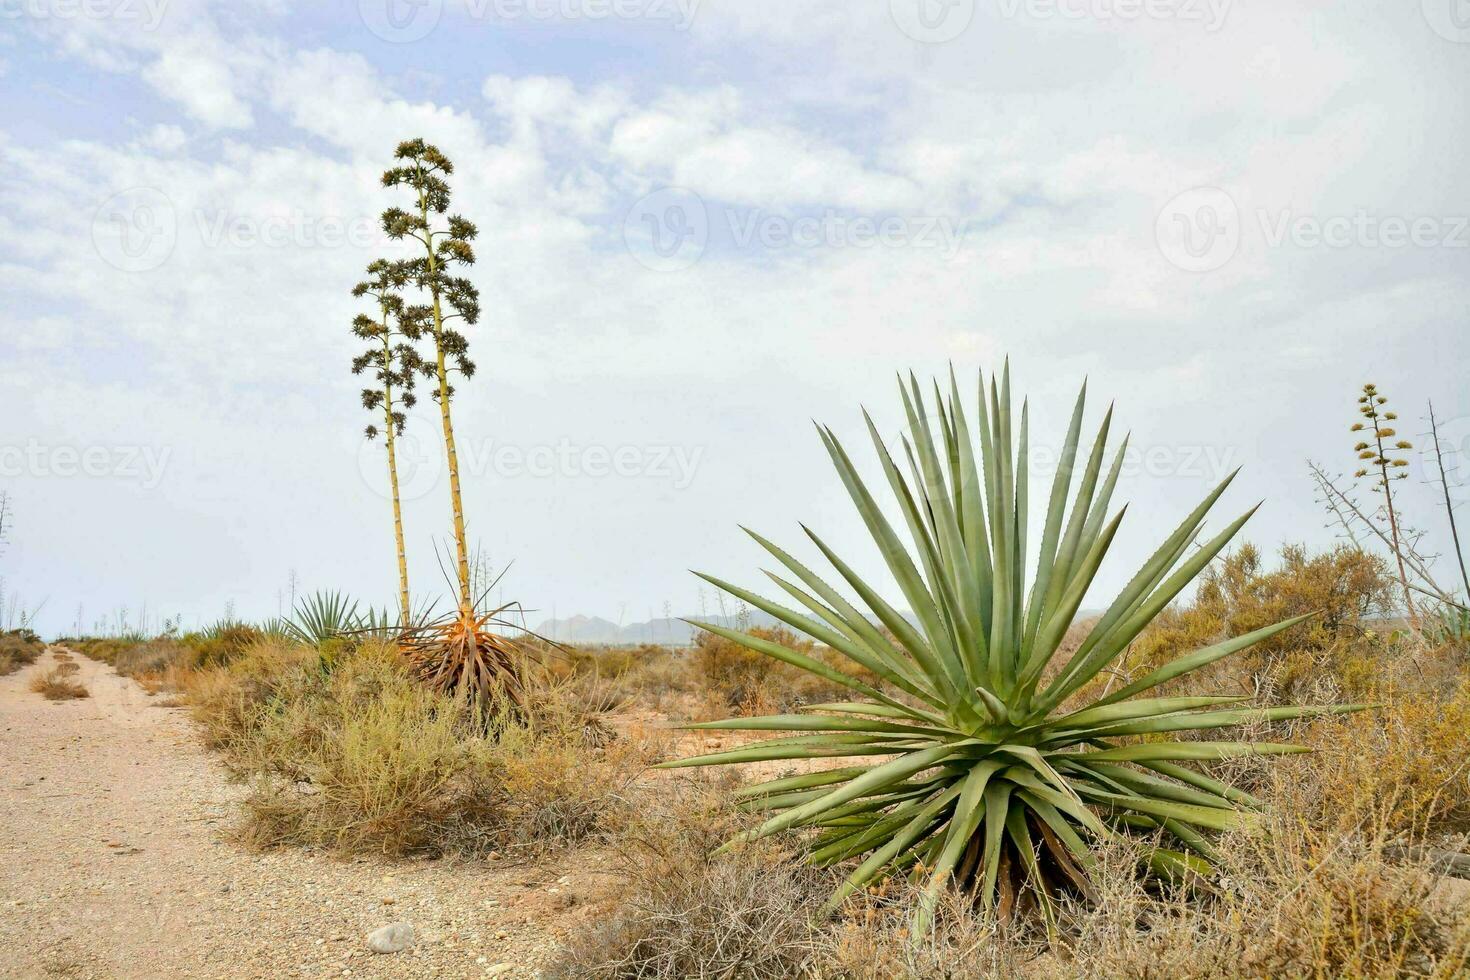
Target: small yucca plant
(1004, 765)
(323, 616)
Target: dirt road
(116, 861)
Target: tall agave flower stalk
(424, 171)
(462, 653)
(393, 362)
(981, 758)
(1386, 459)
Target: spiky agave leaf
(987, 776)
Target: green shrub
(222, 644)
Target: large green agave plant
(991, 777)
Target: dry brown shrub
(683, 912)
(365, 759)
(54, 686)
(1407, 761)
(18, 648)
(1334, 655)
(226, 701)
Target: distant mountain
(675, 632)
(595, 630)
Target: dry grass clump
(222, 645)
(1291, 901)
(683, 912)
(648, 676)
(871, 941)
(364, 759)
(54, 685)
(161, 664)
(18, 648)
(1406, 763)
(227, 702)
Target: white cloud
(202, 84)
(1051, 145)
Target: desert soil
(117, 860)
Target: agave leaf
(883, 775)
(813, 723)
(1062, 827)
(969, 811)
(1202, 720)
(1178, 866)
(905, 713)
(898, 561)
(916, 683)
(997, 802)
(1197, 751)
(1214, 818)
(842, 614)
(1201, 781)
(915, 829)
(814, 747)
(853, 843)
(1056, 509)
(1099, 713)
(943, 551)
(1137, 781)
(1083, 667)
(1075, 540)
(802, 781)
(939, 674)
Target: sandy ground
(116, 861)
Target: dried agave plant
(465, 656)
(1001, 765)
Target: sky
(702, 225)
